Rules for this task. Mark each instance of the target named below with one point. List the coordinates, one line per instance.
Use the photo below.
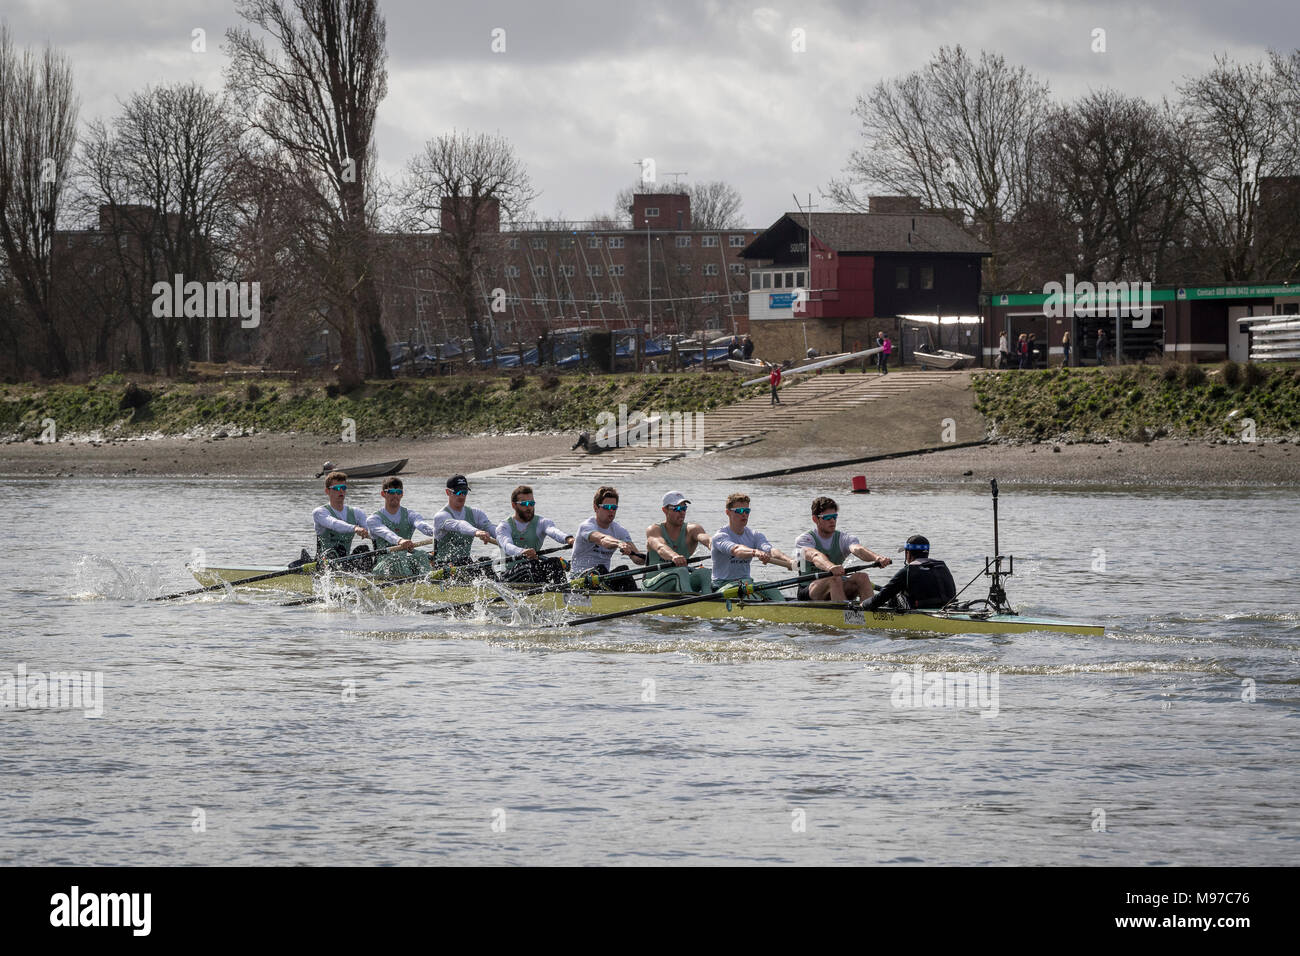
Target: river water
(234, 731)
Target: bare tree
(315, 96)
(461, 185)
(956, 134)
(1108, 201)
(1240, 124)
(38, 119)
(162, 172)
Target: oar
(729, 593)
(439, 571)
(300, 569)
(596, 579)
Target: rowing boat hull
(827, 614)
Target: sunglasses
(741, 511)
(676, 507)
(460, 494)
(608, 507)
(828, 517)
(338, 487)
(393, 491)
(525, 504)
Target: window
(710, 297)
(616, 270)
(736, 268)
(595, 271)
(595, 298)
(512, 243)
(736, 242)
(593, 242)
(567, 242)
(755, 280)
(789, 280)
(568, 270)
(767, 280)
(710, 269)
(709, 242)
(616, 242)
(902, 279)
(652, 212)
(683, 269)
(512, 272)
(777, 280)
(683, 242)
(539, 271)
(539, 299)
(927, 277)
(616, 298)
(798, 279)
(537, 243)
(737, 297)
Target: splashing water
(98, 577)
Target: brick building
(662, 275)
(861, 273)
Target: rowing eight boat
(788, 613)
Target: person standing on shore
(1033, 354)
(599, 537)
(747, 350)
(521, 537)
(1101, 346)
(882, 357)
(337, 523)
(775, 378)
(1065, 348)
(391, 529)
(1022, 351)
(1004, 354)
(737, 544)
(670, 544)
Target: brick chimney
(894, 204)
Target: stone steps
(802, 401)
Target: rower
(824, 548)
(599, 537)
(521, 537)
(337, 523)
(391, 528)
(670, 544)
(456, 526)
(922, 582)
(737, 544)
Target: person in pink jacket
(882, 358)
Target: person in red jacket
(775, 379)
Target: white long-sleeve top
(380, 531)
(465, 521)
(327, 517)
(545, 529)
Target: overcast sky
(585, 89)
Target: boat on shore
(380, 470)
(941, 358)
(828, 614)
